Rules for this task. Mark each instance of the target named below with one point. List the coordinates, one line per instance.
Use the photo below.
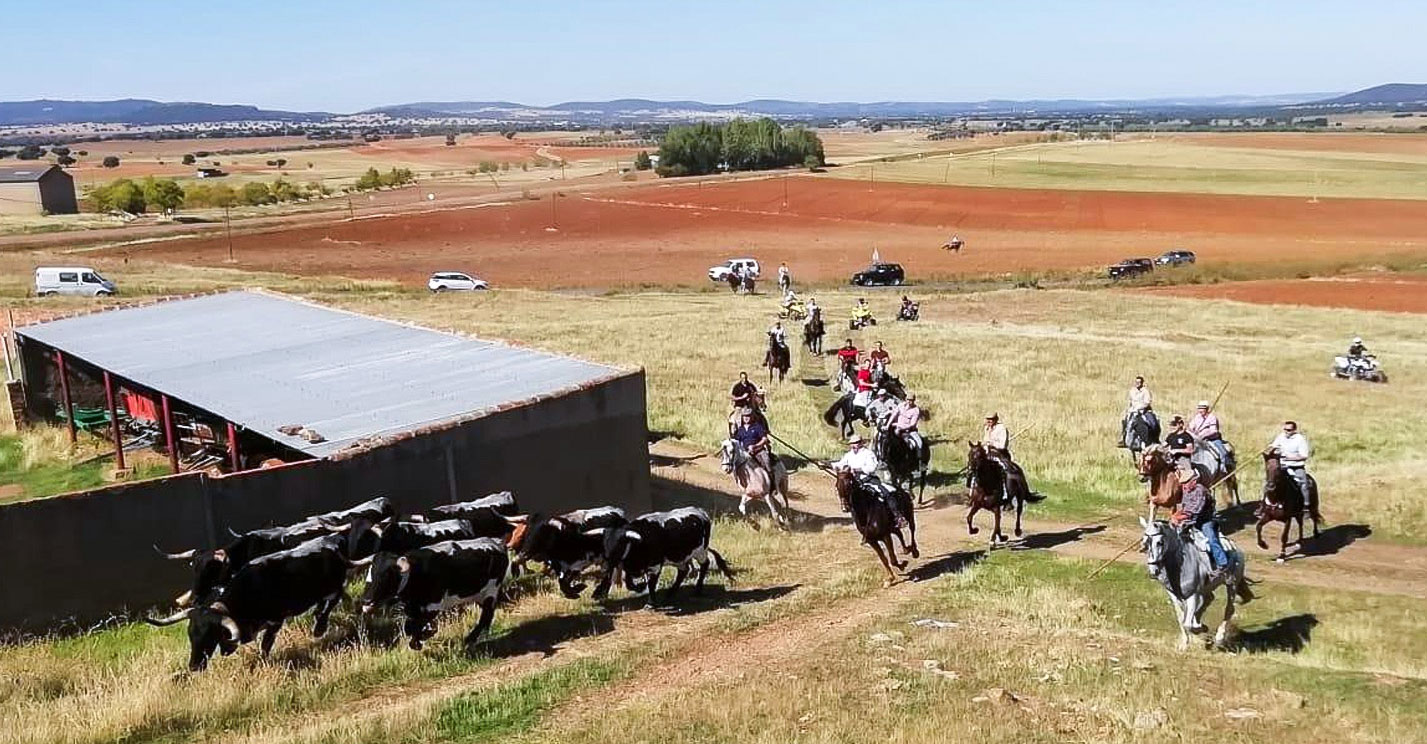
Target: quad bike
(1358, 368)
(796, 310)
(909, 312)
(861, 318)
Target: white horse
(1183, 570)
(755, 480)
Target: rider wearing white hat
(1205, 427)
(858, 459)
(1357, 349)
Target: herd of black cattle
(460, 554)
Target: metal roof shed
(264, 361)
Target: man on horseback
(1204, 426)
(847, 360)
(1293, 452)
(879, 411)
(777, 335)
(1196, 510)
(785, 278)
(753, 435)
(879, 356)
(904, 423)
(997, 442)
(1180, 443)
(745, 395)
(1140, 405)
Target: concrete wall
(20, 199)
(80, 558)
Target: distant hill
(137, 111)
(1391, 94)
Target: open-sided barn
(278, 408)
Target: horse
(843, 413)
(876, 521)
(1158, 471)
(954, 245)
(987, 488)
(1184, 574)
(881, 378)
(777, 358)
(1142, 432)
(755, 481)
(734, 281)
(813, 332)
(748, 283)
(1284, 502)
(904, 465)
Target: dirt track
(1403, 293)
(671, 233)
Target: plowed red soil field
(827, 228)
(1403, 293)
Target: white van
(72, 280)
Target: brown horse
(1284, 502)
(987, 489)
(877, 523)
(1159, 470)
(778, 358)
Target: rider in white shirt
(1141, 400)
(859, 459)
(778, 334)
(1293, 452)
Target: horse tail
(723, 567)
(830, 415)
(1032, 497)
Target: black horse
(777, 358)
(813, 331)
(906, 466)
(877, 522)
(994, 486)
(843, 414)
(1142, 432)
(1283, 501)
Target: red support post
(114, 421)
(169, 440)
(64, 395)
(233, 446)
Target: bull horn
(362, 562)
(231, 532)
(517, 519)
(185, 555)
(170, 620)
(185, 599)
(231, 627)
(416, 518)
(594, 533)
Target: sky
(315, 55)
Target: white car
(455, 281)
(720, 273)
(72, 280)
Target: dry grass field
(1352, 166)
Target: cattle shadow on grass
(1287, 634)
(949, 563)
(544, 635)
(686, 603)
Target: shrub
(255, 193)
(110, 161)
(189, 159)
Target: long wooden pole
(1116, 557)
(64, 397)
(114, 421)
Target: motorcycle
(796, 310)
(910, 312)
(1363, 368)
(861, 318)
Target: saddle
(1200, 541)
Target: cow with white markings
(567, 544)
(213, 568)
(642, 548)
(430, 580)
(262, 595)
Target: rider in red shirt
(864, 377)
(879, 355)
(847, 355)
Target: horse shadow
(686, 603)
(949, 563)
(1048, 540)
(938, 479)
(1333, 539)
(820, 382)
(1288, 634)
(1237, 518)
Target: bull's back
(672, 536)
(278, 585)
(455, 568)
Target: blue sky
(345, 56)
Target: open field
(844, 146)
(1388, 292)
(670, 233)
(791, 651)
(1353, 166)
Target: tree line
(741, 144)
(166, 195)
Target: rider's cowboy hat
(855, 439)
(1187, 475)
(993, 416)
(1203, 404)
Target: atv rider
(908, 307)
(1357, 350)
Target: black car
(1131, 267)
(879, 273)
(1175, 258)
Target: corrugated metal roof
(264, 361)
(27, 174)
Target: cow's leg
(970, 513)
(703, 561)
(679, 576)
(568, 584)
(324, 611)
(602, 589)
(415, 628)
(269, 636)
(651, 582)
(484, 623)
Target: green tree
(642, 161)
(111, 161)
(811, 162)
(162, 194)
(488, 166)
(369, 181)
(31, 152)
(284, 191)
(223, 195)
(120, 195)
(189, 159)
(255, 193)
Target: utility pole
(351, 215)
(554, 219)
(785, 192)
(228, 223)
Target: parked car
(720, 273)
(880, 273)
(72, 280)
(455, 281)
(1175, 258)
(1131, 267)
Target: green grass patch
(517, 707)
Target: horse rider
(1196, 510)
(995, 437)
(1141, 401)
(1357, 350)
(813, 308)
(1293, 453)
(847, 359)
(1180, 443)
(744, 395)
(753, 435)
(904, 422)
(785, 279)
(1204, 426)
(879, 411)
(879, 356)
(777, 334)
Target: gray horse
(1183, 570)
